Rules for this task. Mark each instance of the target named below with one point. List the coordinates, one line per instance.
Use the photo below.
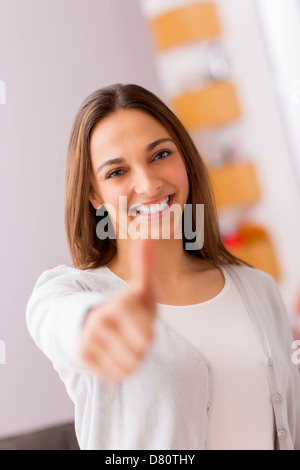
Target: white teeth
(154, 208)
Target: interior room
(229, 69)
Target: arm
(107, 334)
(56, 311)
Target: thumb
(142, 268)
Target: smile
(155, 208)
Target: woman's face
(147, 168)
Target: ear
(96, 203)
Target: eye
(163, 154)
(110, 174)
(116, 173)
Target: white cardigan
(165, 403)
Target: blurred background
(229, 69)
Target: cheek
(109, 196)
(116, 201)
(113, 198)
(179, 175)
(109, 193)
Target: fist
(117, 334)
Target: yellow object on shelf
(211, 105)
(190, 23)
(235, 184)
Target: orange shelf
(235, 184)
(261, 255)
(193, 22)
(212, 105)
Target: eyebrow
(119, 160)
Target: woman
(159, 346)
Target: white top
(178, 399)
(222, 329)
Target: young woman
(160, 346)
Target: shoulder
(260, 289)
(258, 286)
(251, 276)
(61, 271)
(65, 276)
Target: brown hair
(87, 250)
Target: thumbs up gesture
(116, 335)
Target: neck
(170, 261)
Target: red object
(232, 241)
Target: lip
(154, 202)
(157, 214)
(157, 201)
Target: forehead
(126, 127)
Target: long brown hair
(87, 250)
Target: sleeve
(55, 313)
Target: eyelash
(108, 176)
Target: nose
(146, 181)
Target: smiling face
(132, 155)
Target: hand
(116, 335)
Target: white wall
(280, 23)
(263, 135)
(53, 53)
